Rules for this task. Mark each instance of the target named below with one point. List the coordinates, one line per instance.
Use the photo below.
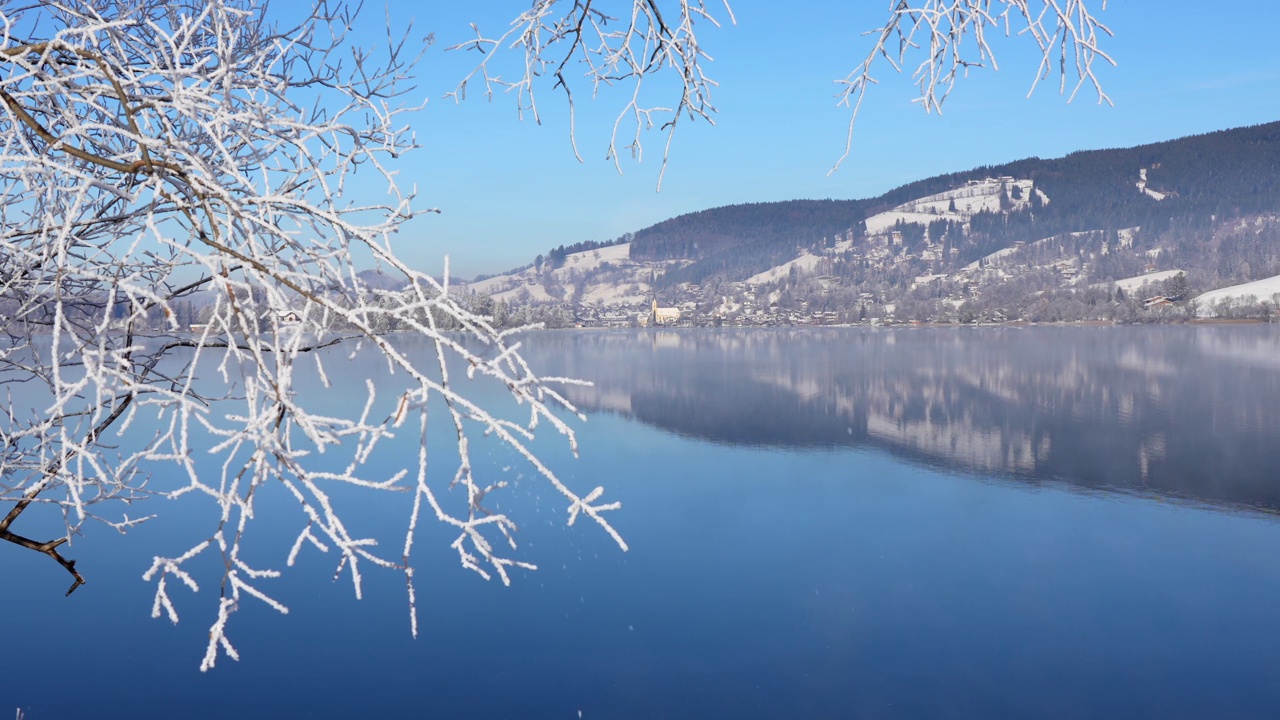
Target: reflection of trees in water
(1191, 412)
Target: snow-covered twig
(601, 44)
(952, 38)
(153, 153)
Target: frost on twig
(153, 153)
(602, 43)
(951, 37)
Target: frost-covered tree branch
(599, 43)
(630, 43)
(951, 37)
(156, 151)
(160, 150)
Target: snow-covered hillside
(1134, 283)
(608, 275)
(1142, 186)
(993, 258)
(1237, 295)
(813, 280)
(583, 261)
(605, 275)
(1035, 240)
(970, 199)
(806, 262)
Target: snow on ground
(1256, 291)
(806, 263)
(1142, 186)
(926, 279)
(1133, 283)
(973, 197)
(581, 261)
(970, 199)
(998, 256)
(536, 293)
(628, 287)
(992, 258)
(881, 223)
(500, 283)
(592, 259)
(727, 307)
(842, 246)
(616, 294)
(1126, 236)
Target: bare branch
(152, 153)
(952, 38)
(605, 50)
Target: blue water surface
(924, 556)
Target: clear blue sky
(510, 190)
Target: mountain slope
(999, 235)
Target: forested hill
(1128, 235)
(1219, 174)
(752, 225)
(1238, 168)
(1190, 183)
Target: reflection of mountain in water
(1190, 412)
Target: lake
(829, 523)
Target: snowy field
(806, 263)
(592, 259)
(1256, 291)
(581, 261)
(1133, 283)
(512, 286)
(972, 198)
(991, 259)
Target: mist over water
(1191, 413)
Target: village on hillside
(899, 266)
(961, 255)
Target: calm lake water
(969, 523)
